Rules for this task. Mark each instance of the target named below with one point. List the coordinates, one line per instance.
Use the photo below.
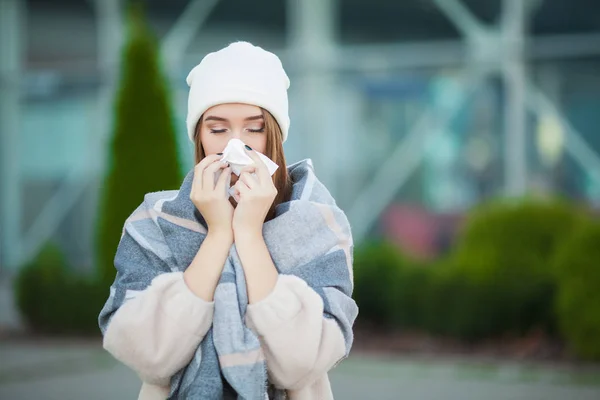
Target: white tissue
(237, 157)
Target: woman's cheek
(214, 144)
(258, 143)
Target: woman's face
(224, 122)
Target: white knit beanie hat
(238, 73)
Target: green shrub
(516, 267)
(388, 286)
(54, 300)
(456, 305)
(38, 286)
(517, 239)
(143, 151)
(503, 264)
(578, 300)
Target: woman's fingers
(208, 176)
(247, 176)
(249, 168)
(261, 168)
(199, 169)
(224, 181)
(236, 196)
(249, 180)
(241, 188)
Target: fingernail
(219, 154)
(248, 147)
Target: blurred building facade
(430, 106)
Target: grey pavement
(73, 370)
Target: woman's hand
(255, 195)
(212, 199)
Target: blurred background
(459, 136)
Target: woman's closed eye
(259, 129)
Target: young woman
(244, 297)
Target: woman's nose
(236, 134)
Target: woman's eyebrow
(213, 118)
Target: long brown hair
(274, 151)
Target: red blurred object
(418, 232)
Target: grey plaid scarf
(309, 237)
